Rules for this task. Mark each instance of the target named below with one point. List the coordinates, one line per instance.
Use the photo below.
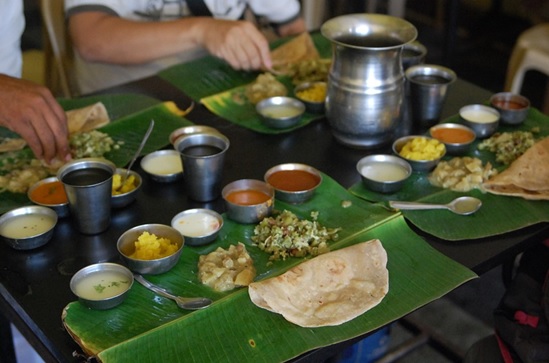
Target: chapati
(527, 176)
(298, 49)
(329, 289)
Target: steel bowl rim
(49, 179)
(146, 228)
(398, 143)
(453, 125)
(510, 96)
(87, 270)
(156, 154)
(26, 210)
(293, 166)
(299, 105)
(137, 187)
(392, 159)
(196, 211)
(305, 85)
(479, 106)
(269, 189)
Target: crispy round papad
(527, 176)
(329, 289)
(87, 118)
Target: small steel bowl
(248, 213)
(111, 280)
(62, 209)
(293, 182)
(484, 120)
(383, 173)
(162, 166)
(280, 112)
(310, 105)
(198, 226)
(445, 133)
(22, 228)
(124, 199)
(417, 165)
(194, 129)
(513, 108)
(126, 247)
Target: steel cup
(203, 156)
(88, 184)
(428, 86)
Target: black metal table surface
(34, 285)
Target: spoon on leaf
(186, 303)
(139, 149)
(461, 205)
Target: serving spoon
(461, 205)
(186, 303)
(139, 149)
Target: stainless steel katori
(366, 81)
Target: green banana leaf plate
(516, 212)
(222, 89)
(148, 328)
(130, 115)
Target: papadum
(526, 177)
(329, 289)
(87, 118)
(11, 144)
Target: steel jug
(366, 81)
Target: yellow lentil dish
(422, 148)
(150, 247)
(315, 93)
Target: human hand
(239, 43)
(31, 111)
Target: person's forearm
(295, 27)
(100, 37)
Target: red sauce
(247, 197)
(293, 180)
(509, 104)
(49, 193)
(452, 136)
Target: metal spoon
(461, 205)
(186, 303)
(139, 149)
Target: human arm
(103, 37)
(31, 111)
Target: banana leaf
(233, 106)
(516, 212)
(130, 115)
(148, 328)
(210, 75)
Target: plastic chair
(58, 48)
(531, 52)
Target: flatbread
(329, 289)
(87, 118)
(11, 144)
(526, 177)
(298, 49)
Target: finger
(27, 131)
(47, 137)
(55, 119)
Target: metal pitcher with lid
(366, 81)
